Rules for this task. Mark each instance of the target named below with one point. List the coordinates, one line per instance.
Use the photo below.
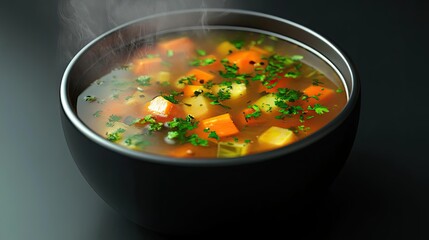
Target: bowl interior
(95, 60)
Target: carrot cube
(325, 95)
(246, 61)
(182, 45)
(147, 65)
(193, 90)
(160, 106)
(200, 76)
(280, 82)
(252, 121)
(221, 124)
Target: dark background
(382, 192)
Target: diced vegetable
(232, 149)
(318, 95)
(246, 61)
(225, 48)
(201, 76)
(236, 90)
(275, 84)
(159, 106)
(267, 103)
(251, 117)
(193, 90)
(163, 77)
(221, 124)
(147, 65)
(178, 46)
(276, 137)
(135, 99)
(198, 106)
(115, 132)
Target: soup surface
(218, 93)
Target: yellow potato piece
(267, 103)
(276, 137)
(196, 106)
(237, 89)
(225, 47)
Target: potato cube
(276, 137)
(267, 103)
(196, 106)
(237, 90)
(232, 149)
(225, 48)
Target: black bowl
(183, 196)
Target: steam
(84, 20)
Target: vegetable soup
(218, 93)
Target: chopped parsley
(208, 84)
(201, 52)
(112, 119)
(116, 135)
(339, 90)
(179, 129)
(187, 80)
(171, 97)
(292, 74)
(148, 119)
(170, 53)
(214, 135)
(202, 62)
(90, 99)
(238, 43)
(319, 109)
(136, 140)
(231, 71)
(223, 94)
(143, 80)
(97, 113)
(317, 82)
(283, 97)
(255, 114)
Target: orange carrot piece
(280, 82)
(221, 124)
(200, 75)
(250, 121)
(214, 67)
(246, 61)
(160, 106)
(189, 90)
(147, 65)
(325, 95)
(182, 45)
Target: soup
(218, 93)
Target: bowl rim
(209, 162)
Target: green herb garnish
(171, 97)
(319, 109)
(90, 99)
(214, 135)
(112, 119)
(255, 114)
(116, 135)
(97, 113)
(170, 53)
(143, 80)
(201, 52)
(179, 129)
